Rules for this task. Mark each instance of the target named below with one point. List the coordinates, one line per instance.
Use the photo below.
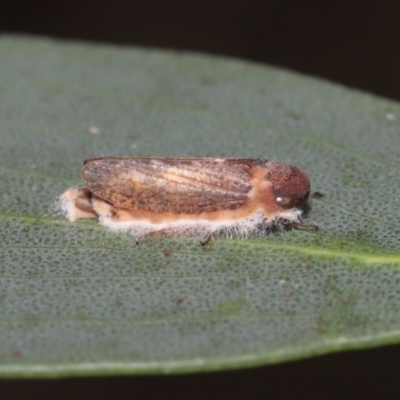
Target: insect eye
(284, 201)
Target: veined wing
(180, 185)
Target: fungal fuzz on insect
(159, 197)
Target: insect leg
(210, 236)
(316, 195)
(299, 225)
(162, 233)
(207, 239)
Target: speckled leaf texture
(77, 299)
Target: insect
(159, 197)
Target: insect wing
(180, 185)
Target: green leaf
(77, 299)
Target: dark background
(353, 42)
(350, 42)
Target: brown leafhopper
(158, 197)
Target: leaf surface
(77, 299)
